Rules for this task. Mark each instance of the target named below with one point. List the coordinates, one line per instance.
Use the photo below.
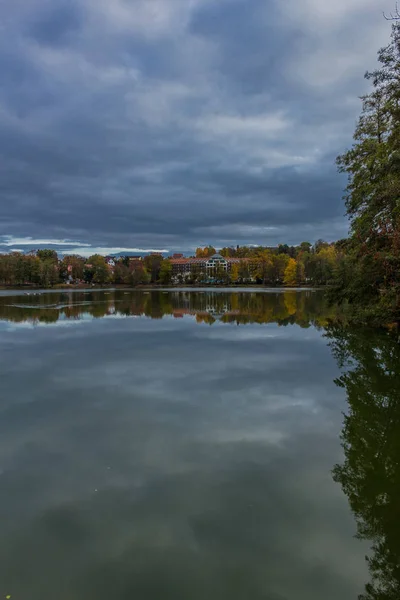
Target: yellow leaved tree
(290, 278)
(234, 273)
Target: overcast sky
(165, 124)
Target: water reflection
(156, 458)
(288, 307)
(370, 474)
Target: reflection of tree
(240, 308)
(370, 475)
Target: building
(110, 261)
(209, 267)
(134, 262)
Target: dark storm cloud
(55, 24)
(168, 124)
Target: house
(208, 266)
(135, 262)
(110, 261)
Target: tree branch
(395, 16)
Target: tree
(205, 252)
(166, 271)
(139, 276)
(47, 254)
(278, 267)
(244, 271)
(319, 245)
(393, 16)
(196, 274)
(72, 266)
(99, 271)
(300, 271)
(152, 264)
(305, 247)
(234, 274)
(290, 277)
(221, 275)
(48, 273)
(228, 252)
(263, 264)
(283, 249)
(373, 190)
(121, 272)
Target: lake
(195, 445)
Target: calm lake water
(183, 445)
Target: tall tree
(373, 192)
(234, 273)
(152, 264)
(166, 271)
(290, 277)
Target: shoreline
(157, 286)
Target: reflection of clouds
(219, 456)
(62, 322)
(256, 332)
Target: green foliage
(98, 271)
(139, 276)
(47, 255)
(369, 275)
(165, 272)
(152, 264)
(370, 474)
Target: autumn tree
(244, 271)
(290, 276)
(234, 274)
(72, 266)
(263, 264)
(205, 252)
(278, 267)
(121, 272)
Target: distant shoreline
(161, 287)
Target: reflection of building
(204, 305)
(178, 313)
(209, 266)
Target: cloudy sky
(165, 124)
